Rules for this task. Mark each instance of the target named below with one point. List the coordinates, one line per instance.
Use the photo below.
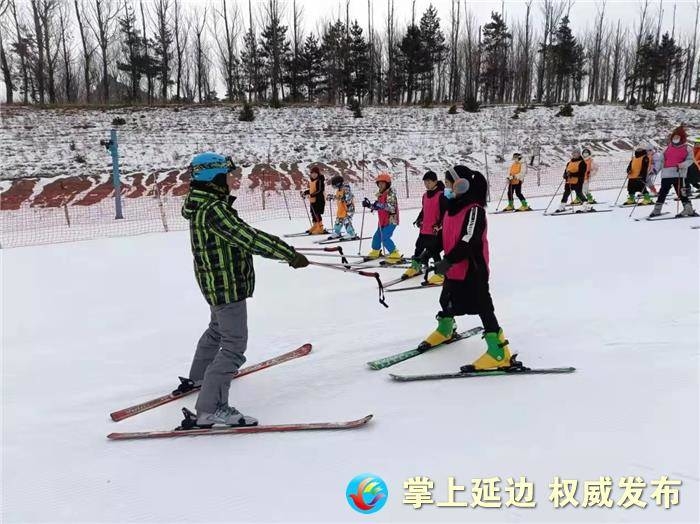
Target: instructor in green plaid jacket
(223, 246)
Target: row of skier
(677, 165)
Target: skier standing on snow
(429, 221)
(387, 207)
(637, 171)
(591, 171)
(676, 160)
(654, 167)
(222, 246)
(317, 200)
(346, 207)
(466, 268)
(516, 175)
(693, 178)
(574, 175)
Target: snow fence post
(405, 167)
(488, 180)
(160, 205)
(113, 147)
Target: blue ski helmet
(206, 166)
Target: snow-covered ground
(65, 142)
(90, 327)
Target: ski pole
(553, 197)
(502, 193)
(620, 192)
(634, 207)
(362, 230)
(305, 208)
(360, 272)
(284, 196)
(335, 249)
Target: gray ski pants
(219, 354)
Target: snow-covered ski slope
(163, 139)
(91, 327)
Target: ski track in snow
(90, 327)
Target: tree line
(155, 51)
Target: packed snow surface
(91, 327)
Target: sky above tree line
(583, 12)
(316, 13)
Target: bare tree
(104, 12)
(88, 49)
(66, 53)
(22, 60)
(200, 59)
(617, 56)
(150, 87)
(641, 31)
(226, 44)
(163, 41)
(472, 55)
(454, 50)
(181, 28)
(390, 47)
(40, 72)
(552, 11)
(596, 55)
(370, 37)
(694, 52)
(47, 11)
(5, 60)
(527, 62)
(297, 43)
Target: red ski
(312, 426)
(150, 404)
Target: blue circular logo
(366, 493)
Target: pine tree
(310, 67)
(435, 50)
(253, 65)
(135, 63)
(567, 56)
(414, 59)
(334, 47)
(25, 48)
(495, 46)
(358, 55)
(670, 58)
(274, 47)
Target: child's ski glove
(442, 267)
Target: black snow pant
(636, 185)
(693, 178)
(678, 184)
(518, 189)
(576, 188)
(470, 296)
(317, 209)
(430, 243)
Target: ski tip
(305, 349)
(372, 365)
